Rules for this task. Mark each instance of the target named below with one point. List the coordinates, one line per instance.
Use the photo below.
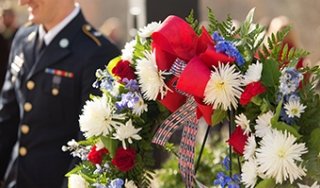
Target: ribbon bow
(189, 58)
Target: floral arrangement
(118, 125)
(222, 74)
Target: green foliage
(193, 22)
(218, 116)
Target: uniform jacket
(42, 98)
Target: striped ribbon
(185, 115)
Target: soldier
(50, 74)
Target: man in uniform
(50, 74)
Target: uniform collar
(49, 36)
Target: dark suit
(42, 98)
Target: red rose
(124, 70)
(253, 89)
(124, 159)
(95, 156)
(238, 140)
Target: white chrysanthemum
(99, 117)
(249, 174)
(294, 108)
(130, 184)
(244, 123)
(279, 155)
(151, 80)
(76, 181)
(224, 87)
(146, 31)
(139, 107)
(253, 73)
(314, 185)
(250, 148)
(127, 51)
(263, 122)
(127, 132)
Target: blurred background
(120, 19)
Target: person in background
(112, 28)
(51, 69)
(10, 25)
(279, 23)
(8, 21)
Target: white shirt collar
(49, 36)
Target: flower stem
(231, 120)
(202, 147)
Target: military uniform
(42, 98)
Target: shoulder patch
(91, 33)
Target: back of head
(8, 16)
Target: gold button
(88, 27)
(23, 151)
(25, 129)
(27, 106)
(30, 84)
(55, 91)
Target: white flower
(130, 184)
(76, 181)
(139, 107)
(250, 148)
(127, 132)
(99, 117)
(249, 174)
(244, 123)
(294, 108)
(146, 31)
(263, 122)
(278, 156)
(314, 185)
(127, 52)
(253, 73)
(224, 87)
(151, 80)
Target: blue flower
(131, 85)
(226, 163)
(116, 183)
(221, 179)
(128, 100)
(228, 48)
(289, 80)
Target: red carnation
(124, 159)
(95, 156)
(238, 140)
(124, 70)
(253, 89)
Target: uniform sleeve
(98, 60)
(9, 121)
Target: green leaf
(270, 73)
(315, 139)
(266, 183)
(218, 116)
(281, 126)
(249, 17)
(110, 144)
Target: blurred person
(8, 19)
(51, 69)
(112, 29)
(9, 24)
(279, 23)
